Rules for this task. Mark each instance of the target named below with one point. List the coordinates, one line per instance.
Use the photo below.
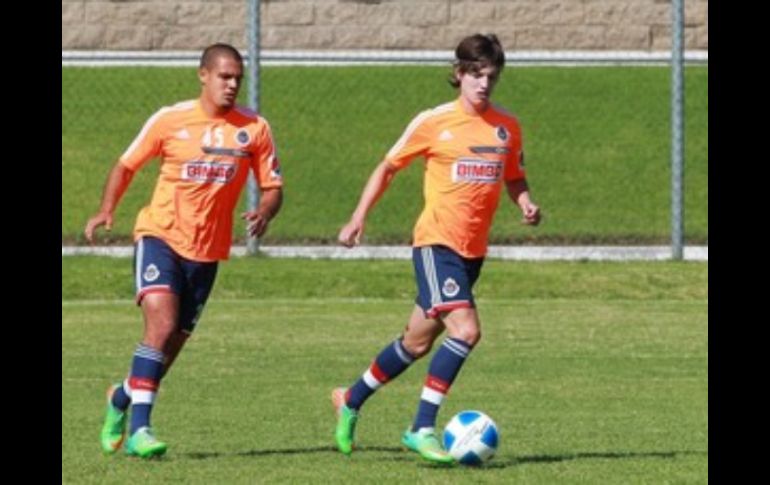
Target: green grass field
(596, 141)
(595, 373)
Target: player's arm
(270, 201)
(518, 190)
(145, 146)
(117, 182)
(379, 180)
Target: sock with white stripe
(146, 371)
(443, 370)
(389, 363)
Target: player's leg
(463, 331)
(170, 319)
(192, 285)
(153, 275)
(159, 282)
(420, 334)
(418, 337)
(160, 311)
(450, 280)
(393, 360)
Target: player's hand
(100, 219)
(257, 223)
(350, 234)
(531, 214)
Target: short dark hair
(476, 52)
(214, 51)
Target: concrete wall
(380, 24)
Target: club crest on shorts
(450, 287)
(502, 133)
(151, 273)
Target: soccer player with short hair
(207, 147)
(472, 149)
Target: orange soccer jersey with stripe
(467, 158)
(204, 165)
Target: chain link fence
(596, 136)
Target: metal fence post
(677, 129)
(252, 194)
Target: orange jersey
(204, 165)
(467, 158)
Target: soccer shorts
(444, 279)
(158, 268)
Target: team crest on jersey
(151, 273)
(477, 170)
(450, 288)
(502, 133)
(198, 171)
(242, 137)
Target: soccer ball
(471, 437)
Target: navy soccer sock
(443, 370)
(121, 398)
(389, 363)
(146, 371)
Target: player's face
(476, 86)
(222, 81)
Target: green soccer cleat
(114, 428)
(144, 444)
(346, 422)
(424, 442)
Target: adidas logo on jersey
(445, 135)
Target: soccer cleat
(144, 444)
(424, 442)
(346, 421)
(114, 428)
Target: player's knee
(417, 348)
(474, 338)
(470, 334)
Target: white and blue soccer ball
(471, 437)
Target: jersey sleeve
(265, 164)
(514, 166)
(414, 142)
(146, 145)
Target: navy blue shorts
(157, 267)
(444, 279)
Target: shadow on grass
(203, 455)
(604, 455)
(400, 454)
